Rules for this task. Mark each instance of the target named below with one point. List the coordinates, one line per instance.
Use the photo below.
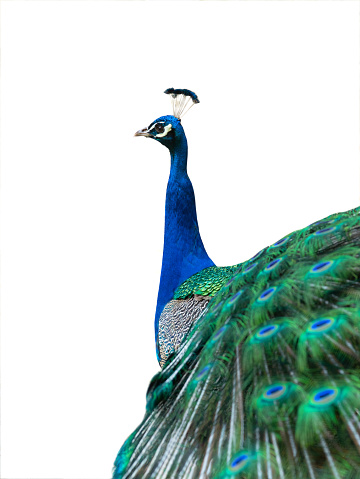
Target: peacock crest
(182, 100)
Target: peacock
(259, 361)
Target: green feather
(267, 382)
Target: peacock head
(168, 130)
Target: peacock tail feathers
(266, 384)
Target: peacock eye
(159, 127)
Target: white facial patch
(165, 132)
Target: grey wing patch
(175, 322)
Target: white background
(273, 147)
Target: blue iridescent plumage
(184, 253)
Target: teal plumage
(266, 382)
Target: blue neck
(184, 253)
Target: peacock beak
(143, 132)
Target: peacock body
(260, 360)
